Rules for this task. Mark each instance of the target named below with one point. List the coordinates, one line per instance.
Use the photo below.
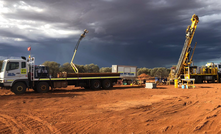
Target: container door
(114, 68)
(127, 71)
(121, 71)
(133, 71)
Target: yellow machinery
(212, 70)
(184, 56)
(75, 50)
(183, 69)
(205, 73)
(172, 72)
(184, 59)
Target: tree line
(55, 68)
(154, 72)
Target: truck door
(23, 70)
(13, 70)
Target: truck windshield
(3, 66)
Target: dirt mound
(143, 76)
(146, 77)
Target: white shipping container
(125, 71)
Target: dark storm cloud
(7, 49)
(129, 32)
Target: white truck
(19, 74)
(127, 73)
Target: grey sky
(143, 33)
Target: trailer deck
(91, 74)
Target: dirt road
(124, 109)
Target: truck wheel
(19, 88)
(95, 84)
(106, 84)
(42, 87)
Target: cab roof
(14, 60)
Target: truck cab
(13, 71)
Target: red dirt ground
(124, 109)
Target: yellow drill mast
(75, 50)
(184, 56)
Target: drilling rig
(184, 59)
(184, 70)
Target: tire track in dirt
(25, 124)
(169, 108)
(44, 125)
(82, 126)
(11, 125)
(66, 127)
(203, 122)
(3, 127)
(209, 119)
(85, 127)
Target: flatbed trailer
(91, 74)
(86, 80)
(19, 74)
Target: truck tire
(42, 87)
(107, 84)
(95, 84)
(19, 88)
